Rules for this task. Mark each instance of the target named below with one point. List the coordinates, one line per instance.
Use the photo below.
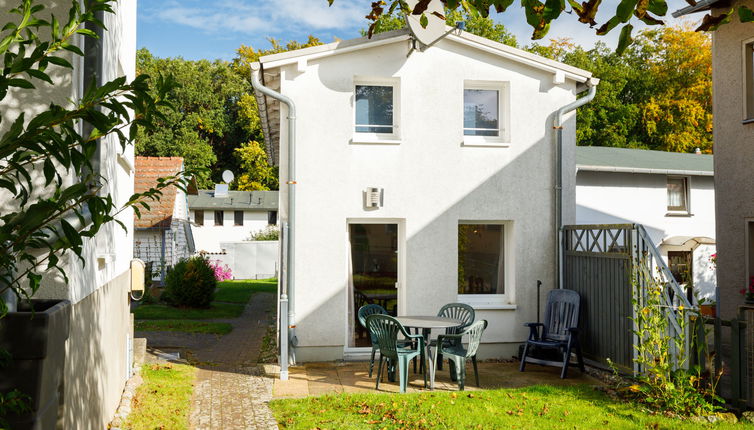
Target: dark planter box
(36, 343)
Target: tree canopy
(215, 123)
(539, 14)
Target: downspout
(558, 127)
(287, 302)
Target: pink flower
(222, 272)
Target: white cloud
(253, 16)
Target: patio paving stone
(315, 379)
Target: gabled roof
(148, 169)
(607, 159)
(703, 5)
(236, 200)
(269, 108)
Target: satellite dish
(228, 176)
(435, 28)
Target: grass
(165, 312)
(163, 401)
(535, 407)
(186, 326)
(241, 291)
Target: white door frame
(363, 353)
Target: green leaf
(625, 9)
(20, 83)
(39, 75)
(58, 61)
(423, 21)
(745, 14)
(624, 40)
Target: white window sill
(370, 140)
(488, 142)
(486, 301)
(679, 214)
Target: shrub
(222, 271)
(191, 282)
(269, 233)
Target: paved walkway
(230, 391)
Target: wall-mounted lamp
(373, 198)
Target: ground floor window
(481, 258)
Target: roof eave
(643, 170)
(701, 6)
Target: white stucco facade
(208, 236)
(432, 180)
(620, 197)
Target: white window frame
(378, 138)
(494, 301)
(503, 120)
(686, 192)
(747, 73)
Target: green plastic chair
(387, 329)
(458, 311)
(451, 346)
(364, 312)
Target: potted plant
(748, 292)
(708, 308)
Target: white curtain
(675, 193)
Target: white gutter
(618, 169)
(558, 127)
(287, 290)
(337, 51)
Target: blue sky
(195, 29)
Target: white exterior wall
(618, 198)
(96, 351)
(430, 180)
(208, 236)
(250, 259)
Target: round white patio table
(426, 324)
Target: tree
(205, 127)
(657, 95)
(539, 14)
(475, 24)
(257, 173)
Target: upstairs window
(219, 218)
(199, 217)
(238, 217)
(481, 112)
(749, 82)
(374, 109)
(678, 198)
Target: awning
(692, 241)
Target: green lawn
(163, 401)
(536, 407)
(241, 291)
(186, 326)
(165, 312)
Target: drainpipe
(558, 127)
(287, 302)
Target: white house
(162, 234)
(425, 175)
(97, 351)
(671, 194)
(219, 216)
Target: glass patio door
(373, 274)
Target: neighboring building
(219, 216)
(162, 234)
(671, 194)
(733, 109)
(424, 178)
(98, 359)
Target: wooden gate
(598, 265)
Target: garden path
(231, 392)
